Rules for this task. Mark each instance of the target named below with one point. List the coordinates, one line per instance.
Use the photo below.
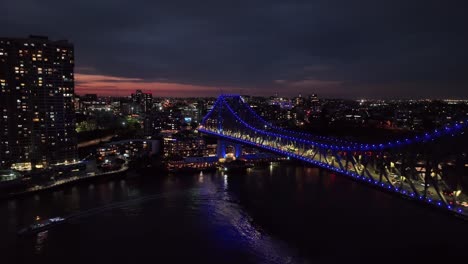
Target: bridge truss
(430, 168)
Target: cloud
(375, 48)
(112, 85)
(81, 78)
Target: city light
(244, 132)
(436, 134)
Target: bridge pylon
(221, 148)
(430, 167)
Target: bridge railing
(403, 166)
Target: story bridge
(430, 168)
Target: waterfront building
(37, 116)
(176, 145)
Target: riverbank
(65, 182)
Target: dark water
(277, 214)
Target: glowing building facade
(37, 117)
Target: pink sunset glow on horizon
(106, 85)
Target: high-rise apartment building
(37, 117)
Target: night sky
(345, 49)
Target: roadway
(400, 182)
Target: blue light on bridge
(340, 145)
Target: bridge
(430, 168)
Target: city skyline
(260, 131)
(336, 49)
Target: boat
(10, 179)
(41, 225)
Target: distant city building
(77, 103)
(128, 149)
(191, 113)
(299, 100)
(37, 121)
(186, 146)
(89, 97)
(142, 102)
(91, 102)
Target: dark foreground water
(276, 214)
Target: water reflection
(261, 214)
(74, 199)
(200, 177)
(234, 227)
(41, 239)
(111, 185)
(225, 181)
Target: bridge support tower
(221, 149)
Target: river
(282, 213)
